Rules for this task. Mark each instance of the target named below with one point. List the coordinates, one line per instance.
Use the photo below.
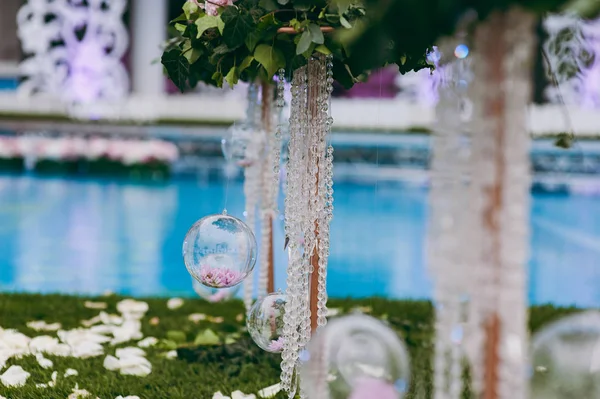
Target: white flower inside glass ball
(565, 358)
(219, 251)
(355, 357)
(265, 322)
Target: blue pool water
(88, 236)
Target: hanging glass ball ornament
(565, 358)
(265, 322)
(243, 144)
(212, 294)
(219, 251)
(354, 357)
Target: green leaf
(315, 34)
(237, 27)
(207, 337)
(167, 344)
(345, 22)
(323, 49)
(304, 43)
(190, 8)
(180, 18)
(268, 5)
(270, 58)
(297, 25)
(177, 66)
(230, 339)
(245, 63)
(220, 25)
(232, 77)
(206, 22)
(252, 40)
(218, 79)
(176, 336)
(180, 27)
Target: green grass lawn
(198, 371)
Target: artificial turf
(200, 371)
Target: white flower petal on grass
(79, 393)
(43, 362)
(127, 397)
(197, 317)
(132, 309)
(148, 342)
(242, 395)
(85, 350)
(174, 303)
(111, 319)
(41, 325)
(171, 354)
(12, 339)
(102, 329)
(219, 395)
(80, 335)
(111, 363)
(332, 312)
(93, 321)
(95, 305)
(70, 373)
(129, 331)
(15, 376)
(130, 352)
(49, 345)
(41, 385)
(138, 370)
(269, 392)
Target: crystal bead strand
(501, 178)
(251, 188)
(325, 212)
(293, 228)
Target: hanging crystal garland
(501, 179)
(449, 259)
(251, 184)
(308, 211)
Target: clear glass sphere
(243, 144)
(219, 251)
(358, 353)
(212, 294)
(565, 358)
(265, 322)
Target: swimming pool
(87, 236)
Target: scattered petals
(197, 317)
(43, 362)
(241, 395)
(95, 305)
(111, 363)
(148, 342)
(129, 331)
(174, 303)
(216, 320)
(130, 352)
(127, 397)
(79, 393)
(41, 385)
(48, 345)
(332, 312)
(132, 309)
(171, 354)
(269, 392)
(154, 321)
(70, 373)
(41, 325)
(110, 319)
(92, 321)
(15, 376)
(219, 395)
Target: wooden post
(267, 123)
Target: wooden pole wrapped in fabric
(501, 92)
(267, 219)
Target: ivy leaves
(238, 25)
(177, 66)
(244, 41)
